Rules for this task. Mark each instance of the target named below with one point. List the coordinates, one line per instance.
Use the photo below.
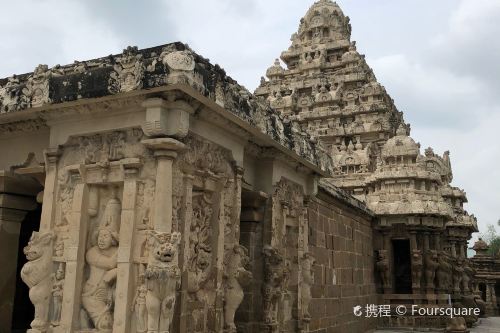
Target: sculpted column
(165, 151)
(493, 295)
(124, 290)
(75, 254)
(48, 208)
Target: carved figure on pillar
(467, 277)
(383, 268)
(458, 272)
(443, 272)
(163, 279)
(305, 283)
(98, 293)
(37, 274)
(274, 275)
(236, 276)
(57, 295)
(97, 296)
(416, 268)
(139, 303)
(431, 265)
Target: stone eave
(257, 136)
(136, 72)
(53, 112)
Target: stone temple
(149, 192)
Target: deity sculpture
(57, 294)
(97, 296)
(98, 293)
(235, 276)
(139, 305)
(37, 274)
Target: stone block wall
(340, 238)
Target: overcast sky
(439, 60)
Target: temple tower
(329, 90)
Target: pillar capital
(164, 147)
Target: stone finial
(481, 247)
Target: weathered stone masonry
(174, 200)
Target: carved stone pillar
(124, 285)
(165, 150)
(453, 249)
(437, 242)
(493, 296)
(184, 254)
(462, 250)
(488, 293)
(49, 200)
(426, 241)
(253, 205)
(75, 254)
(413, 240)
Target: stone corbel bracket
(166, 118)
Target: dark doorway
(482, 289)
(401, 266)
(23, 309)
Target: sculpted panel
(101, 258)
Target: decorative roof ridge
(142, 69)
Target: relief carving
(416, 267)
(467, 277)
(200, 261)
(57, 294)
(11, 97)
(37, 86)
(112, 146)
(431, 265)
(37, 274)
(458, 272)
(383, 268)
(139, 303)
(275, 274)
(98, 290)
(305, 284)
(145, 198)
(444, 272)
(162, 280)
(129, 72)
(236, 277)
